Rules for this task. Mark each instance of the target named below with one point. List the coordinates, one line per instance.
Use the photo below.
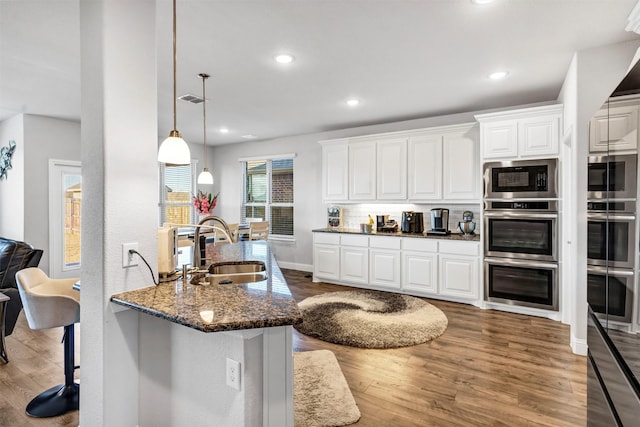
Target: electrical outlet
(233, 374)
(129, 260)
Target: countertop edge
(452, 236)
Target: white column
(120, 191)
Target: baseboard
(295, 266)
(579, 346)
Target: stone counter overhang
(263, 304)
(452, 236)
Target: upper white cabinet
(615, 128)
(392, 169)
(362, 171)
(335, 171)
(425, 167)
(524, 133)
(460, 166)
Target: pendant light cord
(204, 114)
(175, 60)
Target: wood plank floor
(488, 368)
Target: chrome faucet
(196, 244)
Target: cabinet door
(459, 276)
(384, 268)
(425, 168)
(460, 167)
(326, 262)
(335, 172)
(419, 272)
(538, 136)
(614, 129)
(499, 139)
(362, 171)
(354, 265)
(392, 169)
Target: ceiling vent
(191, 98)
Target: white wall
(589, 82)
(12, 189)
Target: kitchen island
(195, 335)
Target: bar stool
(259, 230)
(51, 303)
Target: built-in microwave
(612, 177)
(521, 179)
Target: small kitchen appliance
(391, 226)
(439, 221)
(334, 217)
(467, 226)
(412, 222)
(381, 220)
(167, 250)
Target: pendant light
(173, 149)
(205, 176)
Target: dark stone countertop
(452, 236)
(215, 308)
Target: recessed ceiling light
(284, 58)
(224, 130)
(482, 1)
(353, 102)
(498, 75)
(249, 136)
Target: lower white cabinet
(354, 265)
(384, 268)
(459, 276)
(326, 256)
(420, 272)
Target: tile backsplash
(354, 215)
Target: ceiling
(403, 59)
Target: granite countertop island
(452, 236)
(215, 308)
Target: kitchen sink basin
(233, 279)
(237, 268)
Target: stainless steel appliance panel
(524, 235)
(521, 179)
(521, 282)
(612, 177)
(610, 239)
(616, 300)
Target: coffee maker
(412, 222)
(439, 221)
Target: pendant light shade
(173, 149)
(205, 176)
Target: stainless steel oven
(616, 299)
(522, 230)
(521, 282)
(521, 179)
(611, 234)
(612, 177)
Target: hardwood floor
(488, 368)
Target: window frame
(162, 204)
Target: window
(268, 194)
(177, 184)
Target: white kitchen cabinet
(384, 262)
(420, 266)
(424, 167)
(614, 129)
(362, 171)
(391, 169)
(524, 133)
(335, 171)
(458, 266)
(326, 256)
(460, 167)
(354, 259)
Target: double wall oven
(611, 248)
(521, 229)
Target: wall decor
(5, 159)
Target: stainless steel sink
(237, 268)
(233, 279)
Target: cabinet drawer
(352, 240)
(385, 242)
(460, 248)
(326, 238)
(421, 245)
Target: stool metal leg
(60, 399)
(3, 352)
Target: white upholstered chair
(51, 303)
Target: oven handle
(605, 216)
(519, 214)
(612, 271)
(521, 263)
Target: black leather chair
(14, 256)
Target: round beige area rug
(371, 319)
